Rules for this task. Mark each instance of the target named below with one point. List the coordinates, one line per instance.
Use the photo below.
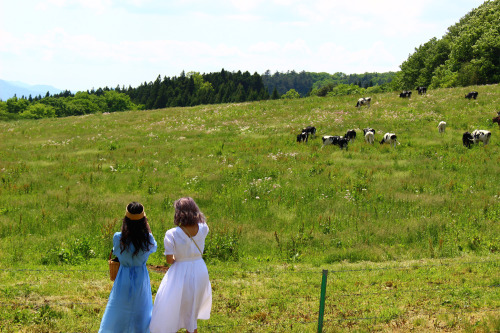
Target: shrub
(77, 252)
(223, 245)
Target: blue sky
(81, 44)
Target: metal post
(322, 301)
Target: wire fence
(311, 324)
(303, 271)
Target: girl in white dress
(185, 293)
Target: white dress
(185, 293)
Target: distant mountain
(10, 88)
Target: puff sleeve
(152, 241)
(169, 243)
(116, 243)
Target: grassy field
(410, 235)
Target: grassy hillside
(273, 205)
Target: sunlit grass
(68, 179)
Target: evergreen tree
(275, 94)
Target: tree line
(188, 89)
(319, 84)
(194, 88)
(468, 54)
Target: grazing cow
(368, 129)
(302, 137)
(364, 101)
(441, 127)
(472, 94)
(335, 140)
(467, 139)
(390, 138)
(422, 90)
(370, 137)
(350, 135)
(497, 120)
(481, 135)
(310, 130)
(405, 94)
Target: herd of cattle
(390, 138)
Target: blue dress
(130, 302)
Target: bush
(346, 89)
(39, 111)
(77, 252)
(223, 245)
(291, 94)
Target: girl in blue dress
(130, 302)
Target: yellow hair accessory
(135, 217)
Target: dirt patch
(158, 268)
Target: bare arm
(170, 259)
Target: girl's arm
(170, 259)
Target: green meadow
(410, 235)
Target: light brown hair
(187, 212)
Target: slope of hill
(410, 234)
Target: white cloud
(298, 46)
(264, 47)
(98, 6)
(246, 5)
(248, 18)
(94, 41)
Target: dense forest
(309, 83)
(186, 90)
(469, 54)
(195, 88)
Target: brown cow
(497, 120)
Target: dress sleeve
(203, 229)
(116, 242)
(153, 241)
(169, 242)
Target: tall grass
(63, 178)
(274, 207)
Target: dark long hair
(187, 212)
(135, 232)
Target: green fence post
(322, 301)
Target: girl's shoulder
(117, 235)
(203, 228)
(171, 231)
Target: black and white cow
(481, 135)
(310, 130)
(442, 127)
(390, 138)
(422, 90)
(364, 101)
(302, 137)
(369, 135)
(472, 94)
(405, 94)
(335, 140)
(350, 135)
(368, 129)
(467, 139)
